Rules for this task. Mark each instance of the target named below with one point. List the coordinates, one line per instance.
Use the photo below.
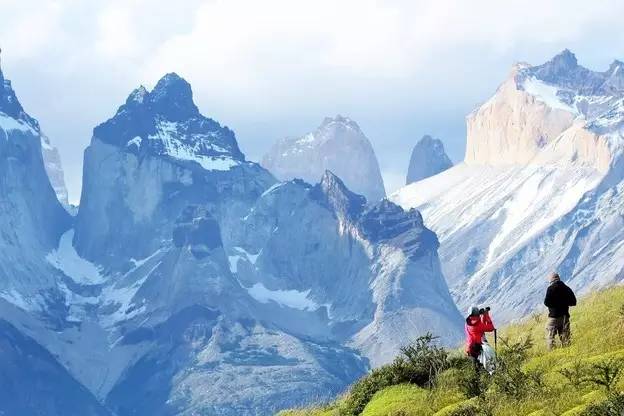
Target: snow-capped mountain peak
(138, 95)
(550, 113)
(166, 122)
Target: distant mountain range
(191, 281)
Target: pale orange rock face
(515, 127)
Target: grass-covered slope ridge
(585, 379)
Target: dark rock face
(428, 159)
(32, 382)
(197, 229)
(390, 224)
(333, 193)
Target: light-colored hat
(554, 277)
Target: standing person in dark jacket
(559, 297)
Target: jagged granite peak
(332, 192)
(172, 97)
(572, 79)
(167, 122)
(161, 155)
(615, 66)
(564, 59)
(10, 105)
(338, 145)
(31, 217)
(387, 222)
(428, 159)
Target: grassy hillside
(583, 379)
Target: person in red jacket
(477, 324)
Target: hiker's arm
(488, 325)
(548, 301)
(572, 298)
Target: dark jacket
(559, 297)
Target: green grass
(597, 336)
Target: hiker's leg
(551, 331)
(565, 333)
(476, 364)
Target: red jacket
(476, 327)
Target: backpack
(487, 357)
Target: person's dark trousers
(475, 350)
(558, 327)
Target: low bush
(419, 363)
(613, 406)
(510, 378)
(605, 373)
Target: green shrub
(605, 374)
(472, 409)
(613, 406)
(470, 382)
(468, 410)
(576, 374)
(510, 378)
(419, 363)
(425, 359)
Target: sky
(270, 69)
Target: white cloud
(401, 68)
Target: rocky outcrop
(337, 145)
(428, 159)
(540, 188)
(372, 271)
